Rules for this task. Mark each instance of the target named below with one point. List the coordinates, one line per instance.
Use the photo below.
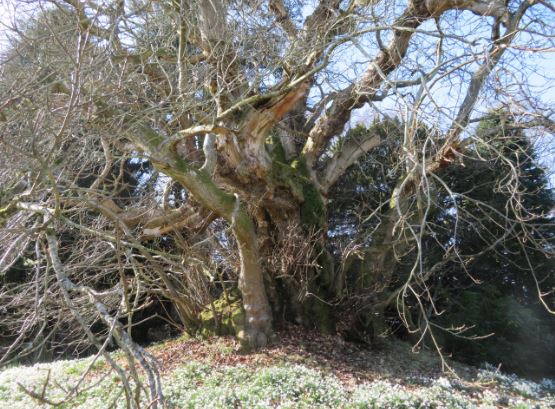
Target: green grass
(201, 385)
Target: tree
(473, 243)
(495, 291)
(238, 116)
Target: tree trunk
(258, 325)
(374, 267)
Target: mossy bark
(308, 302)
(224, 316)
(313, 208)
(316, 307)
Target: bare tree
(186, 144)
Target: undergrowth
(201, 385)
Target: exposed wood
(349, 153)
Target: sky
(6, 14)
(543, 65)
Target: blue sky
(537, 69)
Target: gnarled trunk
(258, 316)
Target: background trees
(484, 273)
(497, 286)
(183, 150)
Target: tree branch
(495, 53)
(283, 18)
(349, 153)
(332, 122)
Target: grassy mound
(213, 374)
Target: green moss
(281, 173)
(225, 316)
(313, 209)
(296, 177)
(320, 315)
(275, 148)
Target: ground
(305, 369)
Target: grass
(213, 374)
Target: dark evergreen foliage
(486, 298)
